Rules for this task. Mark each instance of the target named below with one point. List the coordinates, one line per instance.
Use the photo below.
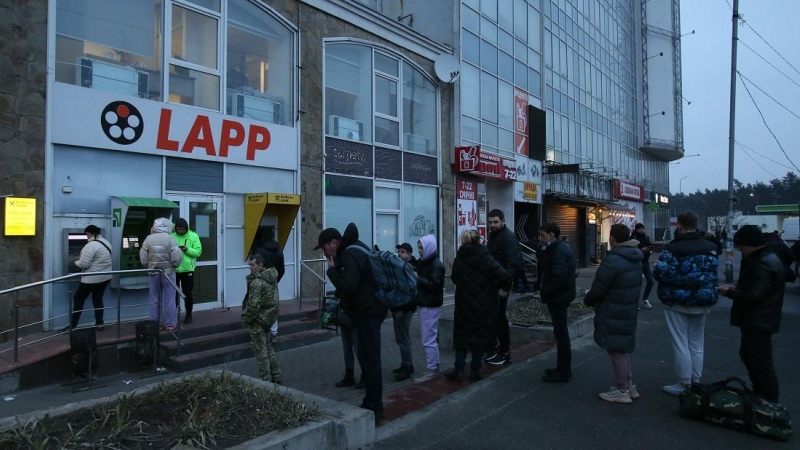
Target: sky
(706, 66)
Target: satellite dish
(447, 68)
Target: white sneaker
(633, 391)
(675, 389)
(646, 304)
(616, 396)
(428, 375)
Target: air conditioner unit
(111, 77)
(416, 143)
(345, 128)
(255, 108)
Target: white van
(791, 230)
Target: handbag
(736, 407)
(334, 315)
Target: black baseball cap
(327, 235)
(405, 246)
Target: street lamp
(680, 190)
(684, 157)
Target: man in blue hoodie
(686, 272)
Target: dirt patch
(530, 311)
(209, 411)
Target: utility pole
(731, 141)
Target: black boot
(362, 382)
(455, 375)
(474, 375)
(348, 380)
(405, 373)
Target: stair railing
(18, 289)
(321, 281)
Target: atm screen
(75, 243)
(130, 242)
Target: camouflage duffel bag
(736, 407)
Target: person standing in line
(686, 272)
(160, 251)
(329, 241)
(647, 249)
(557, 290)
(796, 254)
(95, 257)
(757, 304)
(615, 295)
(430, 297)
(504, 247)
(774, 242)
(190, 245)
(350, 271)
(259, 311)
(271, 251)
(476, 275)
(401, 318)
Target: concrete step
(235, 352)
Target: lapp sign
(628, 191)
(472, 160)
(203, 137)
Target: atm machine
(132, 219)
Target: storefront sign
(661, 199)
(529, 179)
(388, 164)
(420, 169)
(98, 119)
(283, 199)
(628, 191)
(531, 191)
(351, 158)
(20, 216)
(467, 205)
(472, 160)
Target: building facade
(256, 117)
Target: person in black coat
(350, 272)
(783, 252)
(476, 275)
(614, 295)
(557, 290)
(795, 248)
(504, 247)
(647, 249)
(757, 304)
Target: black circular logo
(122, 123)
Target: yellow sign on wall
(283, 199)
(20, 216)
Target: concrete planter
(343, 427)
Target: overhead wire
(763, 156)
(744, 22)
(766, 61)
(758, 163)
(765, 93)
(763, 119)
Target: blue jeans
(647, 271)
(368, 332)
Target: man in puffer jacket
(95, 257)
(160, 251)
(757, 304)
(615, 295)
(686, 272)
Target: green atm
(132, 218)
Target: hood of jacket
(271, 246)
(428, 246)
(629, 250)
(182, 223)
(162, 225)
(472, 254)
(268, 274)
(349, 237)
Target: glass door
(387, 216)
(204, 216)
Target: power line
(763, 156)
(770, 46)
(758, 163)
(773, 65)
(765, 93)
(765, 122)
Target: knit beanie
(749, 235)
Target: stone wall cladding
(23, 76)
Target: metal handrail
(320, 278)
(16, 290)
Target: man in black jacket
(774, 242)
(503, 247)
(351, 273)
(646, 247)
(757, 303)
(557, 289)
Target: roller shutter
(572, 222)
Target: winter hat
(428, 246)
(182, 223)
(327, 235)
(749, 235)
(405, 246)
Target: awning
(616, 207)
(148, 202)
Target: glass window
(192, 87)
(506, 66)
(489, 9)
(488, 97)
(534, 82)
(488, 30)
(419, 112)
(534, 29)
(505, 98)
(505, 14)
(470, 47)
(349, 199)
(471, 20)
(208, 4)
(474, 4)
(470, 129)
(420, 212)
(506, 42)
(194, 37)
(114, 47)
(348, 91)
(506, 140)
(521, 51)
(385, 96)
(386, 64)
(260, 69)
(521, 19)
(387, 198)
(488, 57)
(387, 131)
(470, 96)
(489, 134)
(520, 74)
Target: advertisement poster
(528, 187)
(521, 121)
(467, 205)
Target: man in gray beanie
(757, 303)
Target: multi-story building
(405, 117)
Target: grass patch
(209, 411)
(530, 311)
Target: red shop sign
(489, 165)
(628, 191)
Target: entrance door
(205, 218)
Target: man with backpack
(350, 271)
